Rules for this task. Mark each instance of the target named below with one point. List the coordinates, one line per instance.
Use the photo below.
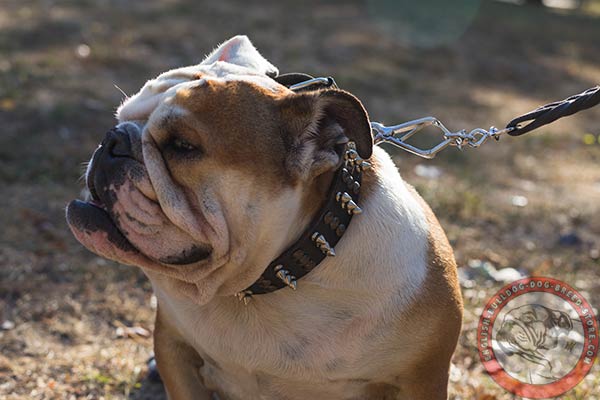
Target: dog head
(213, 170)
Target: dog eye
(183, 146)
(179, 148)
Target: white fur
(236, 59)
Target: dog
(222, 184)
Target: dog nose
(117, 143)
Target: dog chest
(323, 352)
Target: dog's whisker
(84, 166)
(122, 91)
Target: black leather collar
(327, 228)
(323, 233)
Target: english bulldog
(223, 184)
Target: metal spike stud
(285, 276)
(353, 208)
(346, 176)
(351, 155)
(343, 198)
(281, 274)
(328, 250)
(319, 239)
(244, 296)
(323, 244)
(350, 206)
(360, 165)
(288, 279)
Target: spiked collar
(323, 233)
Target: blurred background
(73, 325)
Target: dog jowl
(215, 170)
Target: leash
(398, 135)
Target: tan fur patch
(178, 363)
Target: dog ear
(318, 126)
(240, 51)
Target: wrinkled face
(213, 171)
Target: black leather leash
(549, 113)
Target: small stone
(7, 325)
(507, 275)
(83, 51)
(131, 332)
(455, 373)
(519, 201)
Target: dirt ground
(76, 326)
